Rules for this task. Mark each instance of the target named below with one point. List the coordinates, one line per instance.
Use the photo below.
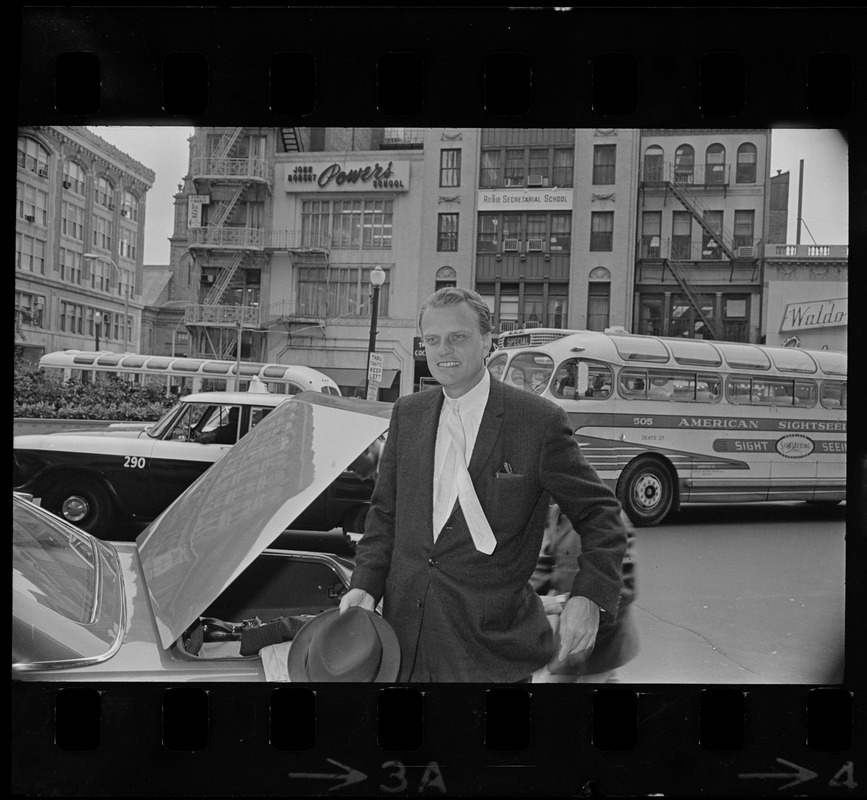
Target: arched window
(32, 156)
(74, 177)
(129, 206)
(103, 193)
(653, 170)
(684, 164)
(715, 165)
(746, 166)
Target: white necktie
(454, 474)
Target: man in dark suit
(456, 519)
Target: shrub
(38, 395)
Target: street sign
(374, 375)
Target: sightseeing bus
(181, 375)
(666, 421)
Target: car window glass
(188, 422)
(52, 565)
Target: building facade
(278, 231)
(703, 205)
(79, 235)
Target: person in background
(559, 562)
(227, 433)
(455, 524)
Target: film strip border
(659, 67)
(652, 67)
(502, 741)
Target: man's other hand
(358, 597)
(579, 623)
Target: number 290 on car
(134, 462)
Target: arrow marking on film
(348, 777)
(801, 776)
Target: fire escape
(691, 194)
(222, 248)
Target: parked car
(95, 478)
(159, 608)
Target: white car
(169, 606)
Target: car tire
(353, 520)
(84, 503)
(646, 492)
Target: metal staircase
(226, 143)
(224, 279)
(680, 272)
(291, 140)
(696, 207)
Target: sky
(825, 205)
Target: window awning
(347, 376)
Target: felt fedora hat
(356, 646)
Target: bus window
(661, 386)
(530, 371)
(707, 388)
(805, 393)
(833, 394)
(633, 383)
(497, 364)
(738, 390)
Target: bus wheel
(646, 492)
(83, 503)
(353, 520)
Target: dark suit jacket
(498, 629)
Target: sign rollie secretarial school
(816, 314)
(348, 176)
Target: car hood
(224, 520)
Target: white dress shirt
(471, 407)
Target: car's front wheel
(84, 503)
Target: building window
(74, 177)
(746, 166)
(72, 221)
(31, 203)
(127, 245)
(103, 193)
(339, 290)
(29, 309)
(564, 166)
(604, 163)
(710, 246)
(489, 172)
(447, 233)
(744, 232)
(102, 234)
(532, 167)
(684, 164)
(651, 231)
(598, 306)
(29, 254)
(526, 305)
(355, 224)
(315, 223)
(650, 315)
(32, 156)
(715, 165)
(71, 317)
(70, 266)
(129, 206)
(601, 231)
(524, 233)
(681, 235)
(450, 167)
(653, 165)
(735, 309)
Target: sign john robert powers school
(349, 176)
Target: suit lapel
(426, 424)
(489, 430)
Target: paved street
(741, 594)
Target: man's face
(454, 348)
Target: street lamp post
(377, 278)
(97, 322)
(126, 323)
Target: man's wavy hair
(452, 295)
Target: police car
(92, 479)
